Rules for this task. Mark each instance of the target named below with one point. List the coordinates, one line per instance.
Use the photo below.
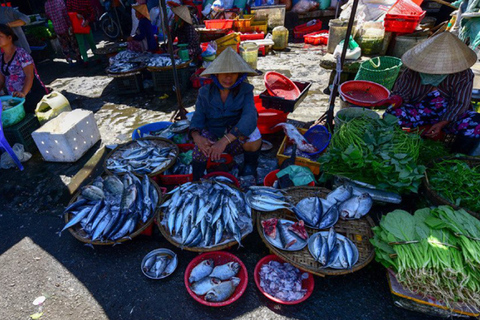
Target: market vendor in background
(436, 90)
(182, 28)
(144, 39)
(17, 71)
(16, 20)
(225, 118)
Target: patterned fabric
(456, 89)
(432, 110)
(83, 7)
(186, 33)
(7, 15)
(237, 112)
(57, 12)
(234, 148)
(16, 79)
(69, 46)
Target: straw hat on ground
(183, 13)
(229, 62)
(442, 54)
(142, 9)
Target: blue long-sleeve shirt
(237, 114)
(145, 30)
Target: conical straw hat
(183, 13)
(442, 54)
(142, 8)
(229, 62)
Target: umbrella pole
(334, 92)
(181, 113)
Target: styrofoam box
(67, 137)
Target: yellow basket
(259, 26)
(299, 161)
(228, 40)
(233, 46)
(242, 25)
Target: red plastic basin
(219, 258)
(363, 93)
(268, 118)
(279, 85)
(306, 284)
(271, 177)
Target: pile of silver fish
(350, 206)
(333, 251)
(160, 265)
(182, 164)
(316, 212)
(282, 281)
(142, 157)
(206, 214)
(267, 199)
(359, 188)
(216, 283)
(8, 104)
(122, 67)
(110, 208)
(157, 60)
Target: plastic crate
(242, 25)
(223, 24)
(259, 26)
(163, 81)
(129, 84)
(198, 81)
(230, 39)
(299, 161)
(252, 36)
(402, 24)
(316, 38)
(22, 132)
(303, 29)
(271, 102)
(176, 179)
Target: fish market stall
(303, 253)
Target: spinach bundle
(456, 181)
(433, 253)
(375, 151)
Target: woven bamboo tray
(359, 231)
(437, 199)
(126, 73)
(161, 143)
(170, 239)
(177, 66)
(81, 235)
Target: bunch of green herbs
(375, 151)
(428, 256)
(457, 181)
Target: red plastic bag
(77, 24)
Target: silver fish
(309, 210)
(317, 246)
(223, 291)
(225, 271)
(286, 237)
(340, 194)
(329, 218)
(160, 265)
(356, 207)
(202, 270)
(203, 286)
(93, 193)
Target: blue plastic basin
(319, 137)
(151, 127)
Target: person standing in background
(16, 20)
(56, 11)
(84, 11)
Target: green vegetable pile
(435, 252)
(456, 181)
(375, 151)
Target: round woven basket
(170, 239)
(437, 199)
(126, 73)
(82, 236)
(177, 66)
(161, 143)
(359, 231)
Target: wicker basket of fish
(170, 67)
(205, 216)
(150, 156)
(347, 247)
(112, 209)
(124, 69)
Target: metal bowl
(172, 265)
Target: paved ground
(106, 282)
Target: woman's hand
(203, 144)
(436, 129)
(217, 149)
(18, 94)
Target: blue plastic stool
(4, 143)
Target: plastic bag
(6, 162)
(211, 49)
(300, 176)
(304, 6)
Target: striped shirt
(456, 89)
(83, 7)
(56, 11)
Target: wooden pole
(181, 113)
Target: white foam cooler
(67, 137)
